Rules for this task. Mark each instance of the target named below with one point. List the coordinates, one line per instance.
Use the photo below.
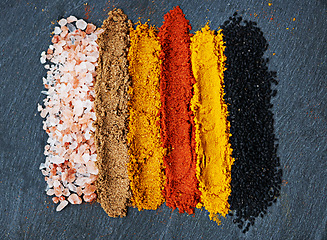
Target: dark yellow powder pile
(145, 168)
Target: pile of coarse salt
(69, 169)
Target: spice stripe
(111, 99)
(256, 177)
(212, 128)
(145, 168)
(176, 87)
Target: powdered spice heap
(146, 153)
(111, 88)
(212, 128)
(176, 88)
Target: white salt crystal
(42, 166)
(82, 181)
(73, 145)
(72, 187)
(57, 30)
(81, 24)
(93, 37)
(61, 205)
(90, 66)
(42, 60)
(93, 157)
(86, 157)
(87, 135)
(50, 192)
(91, 59)
(50, 183)
(45, 173)
(56, 183)
(39, 107)
(44, 113)
(62, 22)
(71, 19)
(78, 107)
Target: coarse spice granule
(256, 173)
(111, 91)
(177, 124)
(213, 149)
(145, 168)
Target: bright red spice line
(176, 88)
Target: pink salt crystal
(89, 189)
(93, 178)
(61, 205)
(71, 19)
(56, 183)
(63, 34)
(99, 31)
(90, 28)
(74, 199)
(71, 178)
(62, 198)
(66, 192)
(55, 199)
(79, 191)
(91, 168)
(81, 170)
(44, 113)
(64, 176)
(55, 178)
(81, 181)
(57, 191)
(90, 198)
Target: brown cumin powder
(111, 98)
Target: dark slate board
(299, 108)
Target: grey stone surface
(299, 107)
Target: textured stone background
(299, 107)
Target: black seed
(256, 177)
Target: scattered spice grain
(111, 98)
(177, 124)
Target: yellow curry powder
(145, 168)
(214, 159)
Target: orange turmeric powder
(212, 127)
(145, 168)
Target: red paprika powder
(177, 120)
